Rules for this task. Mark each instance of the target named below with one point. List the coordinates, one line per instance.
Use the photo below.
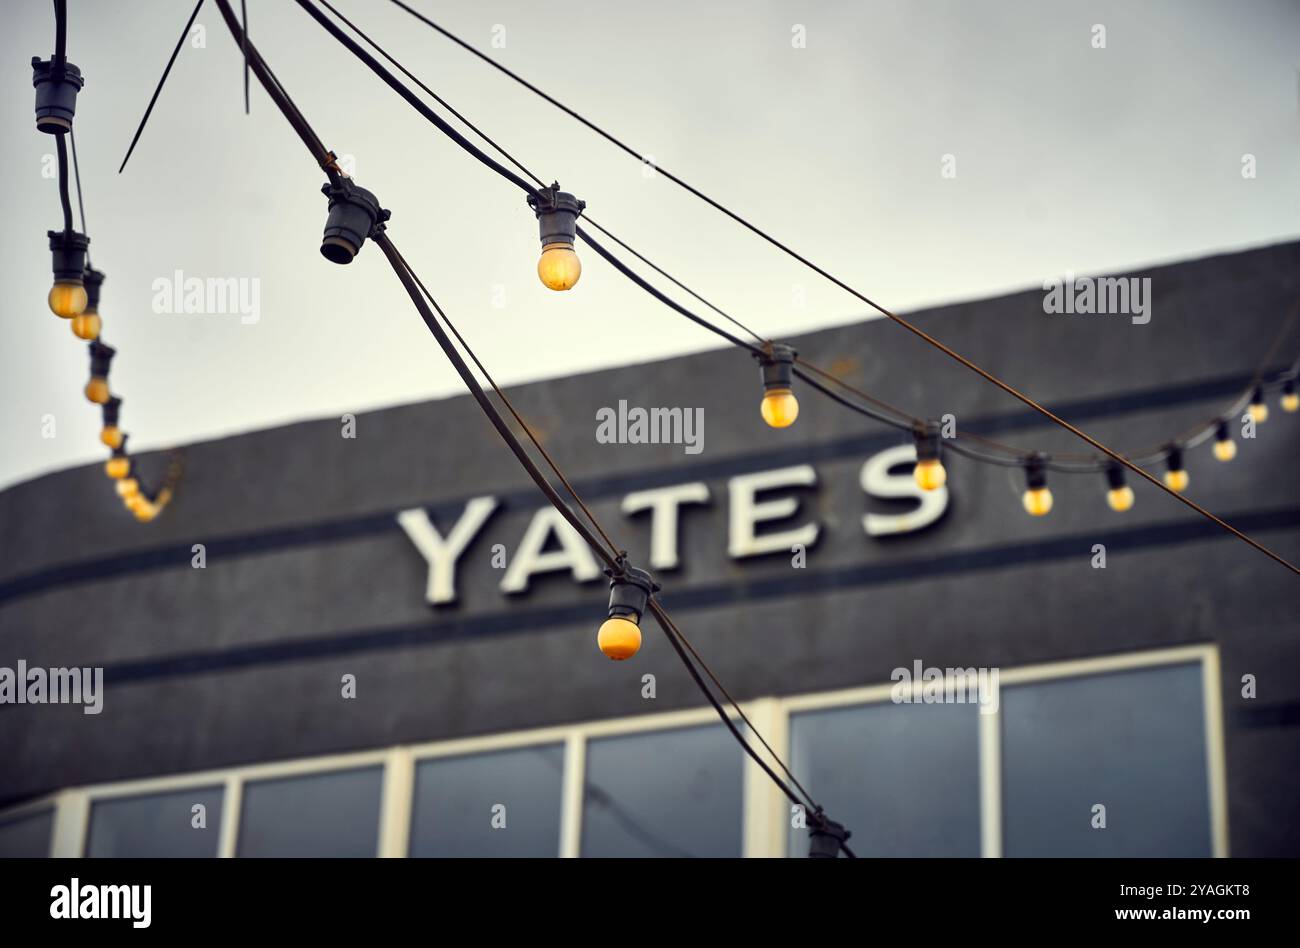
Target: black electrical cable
(81, 205)
(62, 150)
(157, 89)
(60, 30)
(894, 317)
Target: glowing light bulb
(87, 325)
(619, 638)
(97, 390)
(559, 267)
(1258, 409)
(67, 299)
(1037, 501)
(929, 474)
(779, 407)
(1290, 398)
(1225, 449)
(111, 435)
(118, 467)
(144, 512)
(128, 487)
(1120, 499)
(1176, 480)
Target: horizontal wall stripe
(336, 531)
(799, 583)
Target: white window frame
(765, 811)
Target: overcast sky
(1067, 157)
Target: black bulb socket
(629, 592)
(776, 363)
(111, 411)
(1036, 472)
(557, 214)
(68, 253)
(1174, 457)
(354, 215)
(57, 83)
(101, 356)
(926, 434)
(93, 279)
(1116, 477)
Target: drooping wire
(418, 296)
(830, 277)
(81, 206)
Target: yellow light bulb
(1120, 499)
(144, 512)
(87, 325)
(135, 500)
(67, 299)
(1037, 501)
(1225, 450)
(1176, 480)
(117, 468)
(127, 488)
(1291, 402)
(559, 267)
(780, 408)
(619, 638)
(97, 390)
(930, 474)
(1258, 412)
(111, 435)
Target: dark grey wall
(309, 577)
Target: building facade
(378, 639)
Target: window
(504, 803)
(320, 814)
(663, 793)
(903, 777)
(1140, 735)
(1132, 741)
(26, 837)
(157, 825)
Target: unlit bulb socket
(1174, 457)
(101, 356)
(354, 215)
(93, 279)
(557, 215)
(629, 592)
(57, 83)
(120, 452)
(68, 253)
(1221, 431)
(777, 366)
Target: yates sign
(550, 545)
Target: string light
(1120, 496)
(929, 472)
(110, 434)
(87, 324)
(557, 219)
(1258, 409)
(779, 407)
(1176, 477)
(101, 356)
(127, 486)
(57, 83)
(1225, 449)
(630, 589)
(67, 296)
(1037, 498)
(1290, 398)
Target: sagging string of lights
(354, 214)
(559, 269)
(75, 293)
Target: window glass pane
(1132, 741)
(330, 814)
(160, 824)
(455, 813)
(904, 778)
(665, 793)
(26, 837)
